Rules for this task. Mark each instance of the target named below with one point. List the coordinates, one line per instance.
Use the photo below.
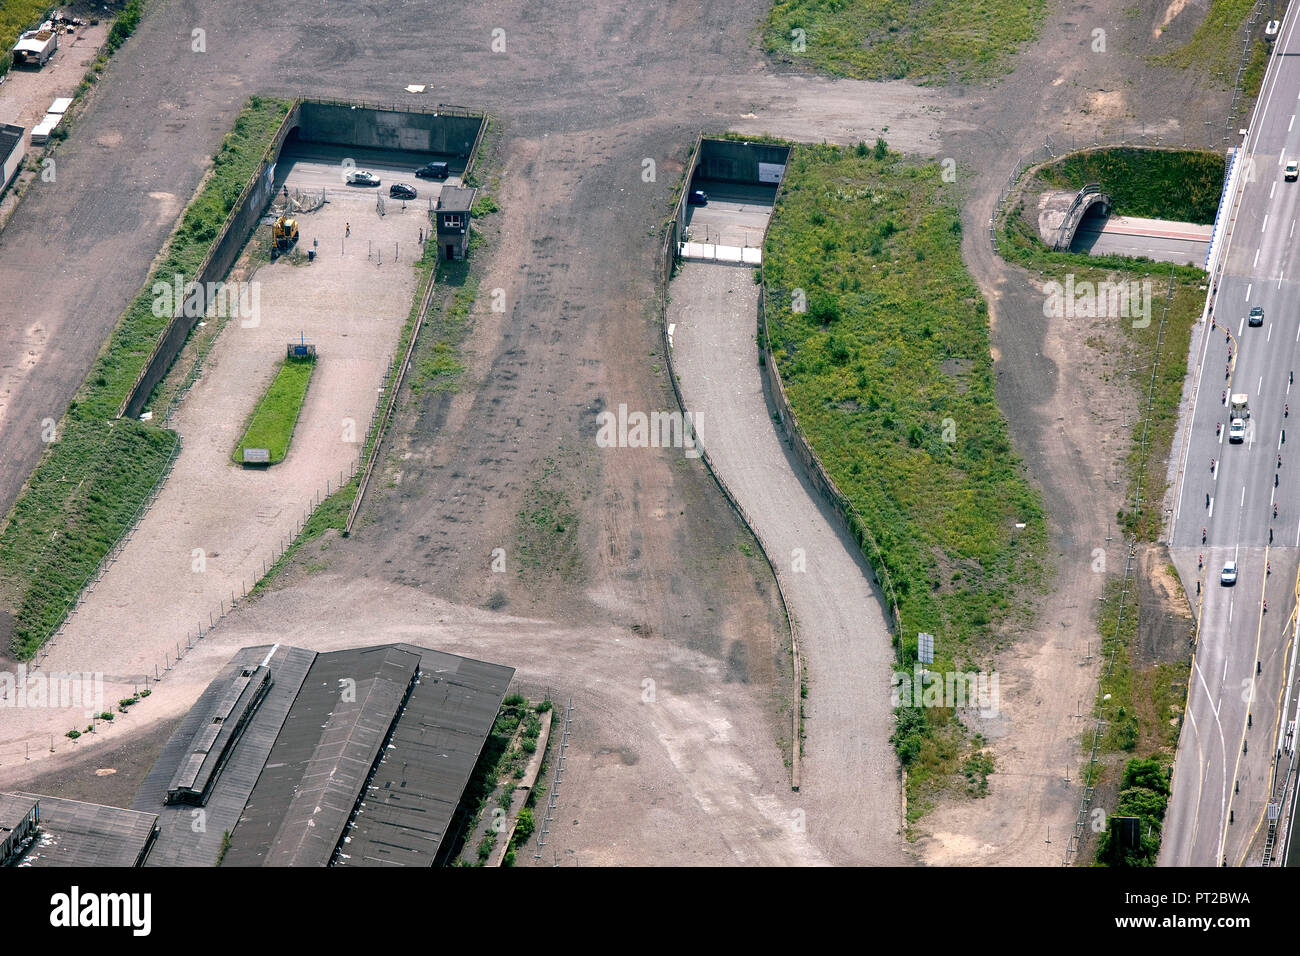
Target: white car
(1292, 170)
(362, 177)
(1228, 576)
(1236, 431)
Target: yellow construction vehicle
(284, 233)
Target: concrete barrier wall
(679, 213)
(453, 134)
(731, 161)
(379, 128)
(225, 249)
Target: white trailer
(37, 46)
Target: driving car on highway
(1256, 317)
(1236, 431)
(1228, 576)
(1292, 170)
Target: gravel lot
(582, 97)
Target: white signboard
(770, 172)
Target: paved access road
(1227, 512)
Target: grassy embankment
(900, 39)
(1215, 48)
(273, 420)
(98, 471)
(1140, 700)
(890, 377)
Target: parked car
(362, 177)
(1256, 317)
(1228, 576)
(1270, 30)
(432, 171)
(1292, 170)
(697, 198)
(401, 191)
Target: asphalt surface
(1223, 773)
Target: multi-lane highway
(1241, 502)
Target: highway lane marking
(1236, 769)
(1256, 263)
(1292, 232)
(1274, 187)
(1264, 228)
(1211, 514)
(1269, 337)
(1241, 327)
(1248, 288)
(1260, 390)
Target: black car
(401, 191)
(697, 198)
(1256, 316)
(432, 171)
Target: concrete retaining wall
(216, 264)
(381, 128)
(731, 161)
(455, 134)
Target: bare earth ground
(27, 93)
(215, 523)
(1069, 419)
(660, 589)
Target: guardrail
(1069, 224)
(442, 109)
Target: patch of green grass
(1215, 48)
(1144, 793)
(273, 420)
(546, 543)
(436, 365)
(903, 39)
(887, 366)
(92, 480)
(1115, 702)
(1252, 80)
(1178, 184)
(485, 206)
(124, 25)
(890, 377)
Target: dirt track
(584, 96)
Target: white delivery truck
(1237, 415)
